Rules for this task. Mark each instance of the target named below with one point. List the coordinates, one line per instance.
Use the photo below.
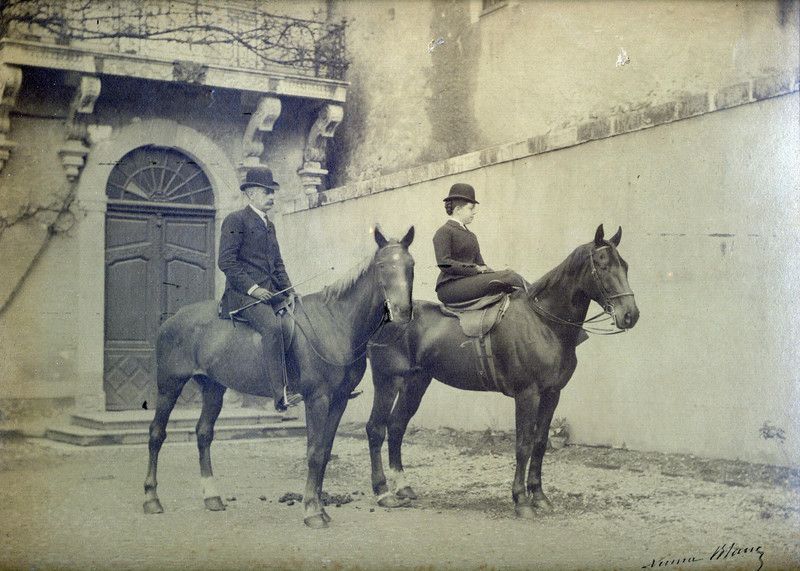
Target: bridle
(606, 296)
(387, 305)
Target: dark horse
(534, 353)
(329, 349)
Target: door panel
(126, 293)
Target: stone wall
(708, 206)
(433, 79)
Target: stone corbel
(10, 82)
(76, 147)
(315, 157)
(261, 121)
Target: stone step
(180, 418)
(82, 436)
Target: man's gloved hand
(261, 293)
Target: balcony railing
(208, 33)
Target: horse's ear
(616, 237)
(598, 236)
(379, 238)
(408, 238)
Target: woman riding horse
(464, 275)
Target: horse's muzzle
(629, 318)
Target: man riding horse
(250, 258)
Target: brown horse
(329, 353)
(534, 355)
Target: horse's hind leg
(547, 407)
(404, 409)
(168, 392)
(385, 393)
(213, 394)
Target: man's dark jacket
(458, 254)
(249, 255)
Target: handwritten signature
(722, 552)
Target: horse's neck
(358, 309)
(559, 293)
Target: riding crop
(256, 302)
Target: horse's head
(608, 284)
(396, 274)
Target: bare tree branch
(271, 39)
(60, 219)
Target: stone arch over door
(92, 199)
(159, 256)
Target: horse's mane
(571, 266)
(340, 287)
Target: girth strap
(485, 362)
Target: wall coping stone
(684, 106)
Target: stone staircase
(132, 426)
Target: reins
(360, 356)
(608, 307)
(385, 318)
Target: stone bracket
(315, 156)
(76, 147)
(261, 121)
(10, 83)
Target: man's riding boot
(275, 361)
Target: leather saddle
(478, 317)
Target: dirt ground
(81, 508)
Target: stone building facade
(122, 153)
(677, 121)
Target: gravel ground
(80, 508)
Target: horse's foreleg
(317, 412)
(213, 394)
(526, 408)
(547, 407)
(404, 409)
(335, 414)
(385, 393)
(168, 392)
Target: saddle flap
(478, 317)
(287, 323)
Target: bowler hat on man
(462, 191)
(259, 178)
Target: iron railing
(221, 33)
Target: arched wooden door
(159, 257)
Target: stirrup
(291, 400)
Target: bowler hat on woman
(462, 191)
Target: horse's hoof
(153, 507)
(406, 492)
(391, 501)
(325, 516)
(316, 521)
(214, 504)
(540, 502)
(524, 511)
